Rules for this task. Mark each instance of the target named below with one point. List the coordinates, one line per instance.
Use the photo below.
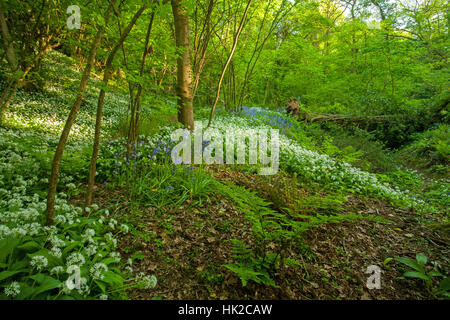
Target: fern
(270, 226)
(247, 266)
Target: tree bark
(238, 33)
(136, 108)
(7, 42)
(71, 118)
(98, 122)
(11, 57)
(184, 72)
(202, 47)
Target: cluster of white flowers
(60, 219)
(84, 289)
(115, 256)
(144, 281)
(91, 250)
(313, 165)
(124, 228)
(56, 252)
(88, 236)
(39, 262)
(129, 265)
(75, 259)
(22, 211)
(112, 223)
(110, 239)
(57, 270)
(97, 271)
(13, 289)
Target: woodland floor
(187, 247)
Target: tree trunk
(135, 116)
(98, 122)
(7, 42)
(71, 118)
(11, 57)
(238, 33)
(202, 47)
(184, 72)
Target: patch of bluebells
(148, 150)
(162, 150)
(275, 119)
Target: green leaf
(445, 284)
(108, 261)
(418, 275)
(70, 247)
(52, 260)
(7, 246)
(20, 264)
(421, 259)
(30, 246)
(101, 285)
(434, 273)
(7, 274)
(411, 263)
(245, 274)
(46, 283)
(25, 292)
(113, 279)
(387, 260)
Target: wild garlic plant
(41, 262)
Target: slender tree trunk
(71, 118)
(238, 33)
(7, 42)
(11, 57)
(184, 72)
(98, 122)
(125, 60)
(137, 99)
(279, 15)
(202, 47)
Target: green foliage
(274, 232)
(328, 57)
(430, 151)
(250, 268)
(420, 272)
(347, 154)
(40, 272)
(149, 176)
(371, 153)
(34, 258)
